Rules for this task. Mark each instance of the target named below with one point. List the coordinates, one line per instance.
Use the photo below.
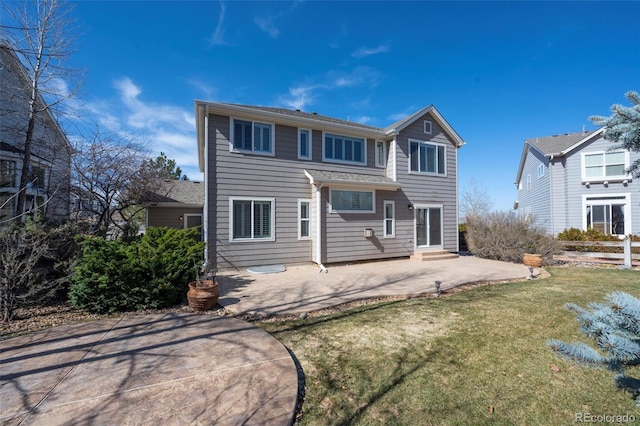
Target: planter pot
(204, 296)
(534, 260)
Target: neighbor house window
(604, 165)
(607, 214)
(252, 219)
(427, 127)
(37, 177)
(352, 201)
(389, 219)
(252, 136)
(427, 157)
(528, 182)
(7, 206)
(540, 170)
(381, 154)
(304, 219)
(7, 174)
(344, 149)
(304, 144)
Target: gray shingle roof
(307, 115)
(322, 176)
(557, 143)
(178, 191)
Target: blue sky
(499, 72)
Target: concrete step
(426, 256)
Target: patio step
(426, 256)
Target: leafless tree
(474, 200)
(39, 33)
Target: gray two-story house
(47, 190)
(284, 186)
(578, 180)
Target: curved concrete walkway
(172, 369)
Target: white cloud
(301, 96)
(363, 119)
(217, 38)
(267, 25)
(368, 51)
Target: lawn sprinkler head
(531, 273)
(438, 288)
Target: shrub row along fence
(625, 252)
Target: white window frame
(387, 219)
(233, 148)
(344, 137)
(301, 219)
(604, 178)
(428, 127)
(373, 200)
(434, 144)
(608, 199)
(381, 158)
(528, 182)
(252, 238)
(309, 133)
(541, 170)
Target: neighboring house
(50, 165)
(284, 186)
(578, 180)
(175, 204)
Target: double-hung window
(7, 174)
(389, 219)
(304, 219)
(37, 177)
(304, 144)
(425, 157)
(381, 154)
(252, 136)
(252, 218)
(352, 201)
(604, 165)
(344, 149)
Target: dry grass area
(473, 357)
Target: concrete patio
(302, 288)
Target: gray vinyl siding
(559, 212)
(576, 189)
(428, 189)
(537, 200)
(171, 217)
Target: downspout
(553, 225)
(205, 215)
(319, 229)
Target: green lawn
(474, 357)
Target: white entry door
(428, 226)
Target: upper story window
(381, 154)
(252, 136)
(427, 127)
(37, 177)
(541, 170)
(7, 174)
(604, 165)
(352, 201)
(304, 144)
(344, 149)
(425, 157)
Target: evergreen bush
(152, 272)
(615, 326)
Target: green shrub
(507, 237)
(152, 272)
(574, 234)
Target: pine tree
(623, 127)
(615, 326)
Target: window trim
(381, 162)
(232, 147)
(352, 138)
(541, 171)
(373, 200)
(612, 178)
(435, 144)
(392, 218)
(301, 219)
(430, 131)
(252, 239)
(309, 144)
(529, 185)
(623, 198)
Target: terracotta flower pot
(204, 295)
(534, 260)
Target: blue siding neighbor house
(578, 180)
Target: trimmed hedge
(152, 272)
